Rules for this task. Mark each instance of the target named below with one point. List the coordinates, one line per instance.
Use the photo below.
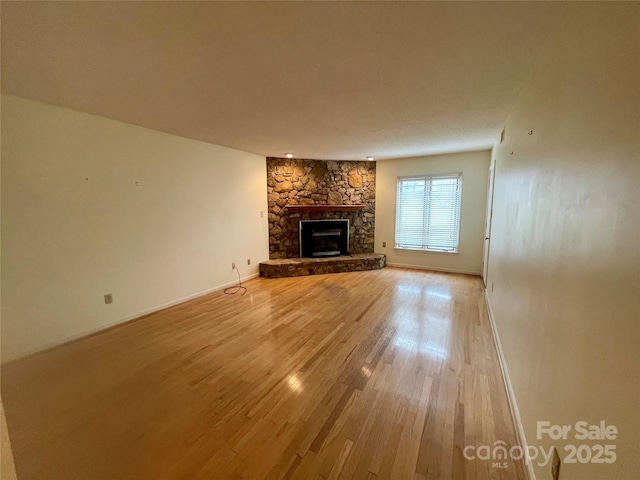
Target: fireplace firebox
(324, 238)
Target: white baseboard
(184, 299)
(128, 318)
(434, 269)
(513, 405)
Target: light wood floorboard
(384, 374)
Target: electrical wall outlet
(248, 261)
(233, 265)
(384, 244)
(108, 298)
(492, 286)
(555, 465)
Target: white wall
(7, 466)
(75, 226)
(565, 243)
(474, 167)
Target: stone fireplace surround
(319, 182)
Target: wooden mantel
(324, 208)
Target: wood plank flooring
(384, 374)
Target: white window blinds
(428, 212)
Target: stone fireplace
(319, 190)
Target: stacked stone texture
(298, 267)
(319, 182)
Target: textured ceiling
(326, 80)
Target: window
(428, 212)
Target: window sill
(425, 250)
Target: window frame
(427, 178)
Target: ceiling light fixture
(371, 158)
(289, 155)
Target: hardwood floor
(384, 374)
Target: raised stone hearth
(295, 267)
